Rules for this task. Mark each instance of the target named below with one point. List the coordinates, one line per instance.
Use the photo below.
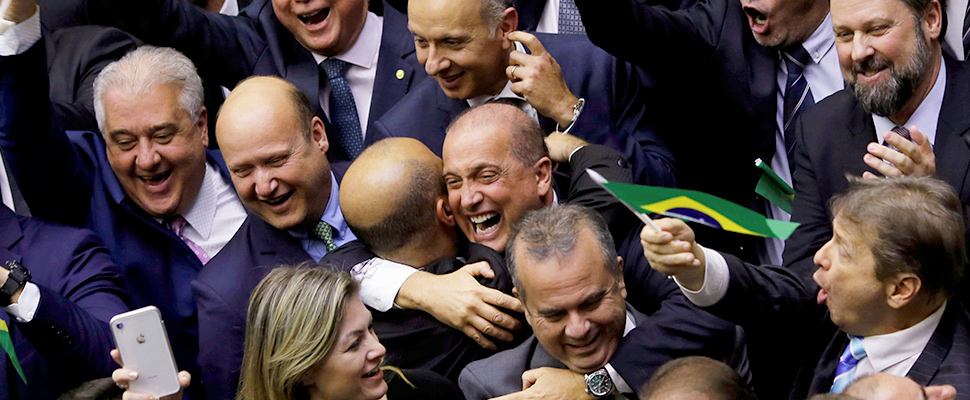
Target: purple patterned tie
(901, 131)
(178, 225)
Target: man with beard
(899, 83)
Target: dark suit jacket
(771, 303)
(614, 115)
(229, 49)
(75, 57)
(67, 178)
(68, 340)
(222, 292)
(716, 92)
(501, 374)
(832, 138)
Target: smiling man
(884, 284)
(353, 64)
(147, 185)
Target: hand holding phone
(144, 348)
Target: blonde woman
(309, 336)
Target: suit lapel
(951, 147)
(936, 349)
(542, 358)
(394, 73)
(10, 233)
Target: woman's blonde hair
(293, 322)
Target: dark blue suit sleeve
(222, 329)
(53, 177)
(223, 48)
(81, 289)
(675, 327)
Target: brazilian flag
(699, 207)
(7, 345)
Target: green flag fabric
(7, 344)
(773, 188)
(701, 208)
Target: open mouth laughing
(315, 17)
(486, 223)
(278, 199)
(155, 179)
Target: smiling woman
(309, 336)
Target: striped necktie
(845, 372)
(177, 225)
(798, 95)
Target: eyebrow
(153, 129)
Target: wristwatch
(16, 279)
(599, 384)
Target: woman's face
(351, 371)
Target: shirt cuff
(380, 280)
(17, 38)
(618, 382)
(26, 306)
(716, 280)
(570, 159)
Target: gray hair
(551, 232)
(491, 12)
(144, 69)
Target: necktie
(901, 131)
(343, 110)
(177, 225)
(798, 96)
(569, 19)
(966, 33)
(324, 232)
(845, 372)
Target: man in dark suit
(475, 58)
(849, 133)
(394, 200)
(289, 39)
(571, 281)
(161, 202)
(887, 279)
(497, 169)
(58, 318)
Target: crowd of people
(353, 200)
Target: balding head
(884, 386)
(276, 151)
(696, 378)
(390, 197)
(496, 169)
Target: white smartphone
(143, 344)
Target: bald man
(276, 152)
(884, 386)
(394, 200)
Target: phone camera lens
(120, 325)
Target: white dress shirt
(549, 20)
(215, 215)
(895, 353)
(927, 115)
(824, 77)
(16, 39)
(955, 13)
(362, 57)
(6, 194)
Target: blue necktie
(569, 19)
(845, 372)
(798, 96)
(343, 111)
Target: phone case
(144, 347)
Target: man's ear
(508, 24)
(543, 171)
(443, 210)
(902, 289)
(933, 21)
(319, 134)
(622, 283)
(203, 125)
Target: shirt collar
(364, 50)
(821, 41)
(331, 215)
(927, 115)
(506, 92)
(887, 350)
(630, 323)
(202, 213)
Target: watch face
(599, 384)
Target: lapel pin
(399, 74)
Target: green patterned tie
(324, 232)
